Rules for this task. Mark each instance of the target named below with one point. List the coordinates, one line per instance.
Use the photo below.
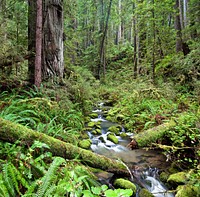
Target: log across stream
(144, 164)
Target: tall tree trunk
(38, 57)
(135, 57)
(102, 45)
(53, 39)
(179, 42)
(154, 43)
(119, 32)
(32, 15)
(185, 9)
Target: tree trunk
(38, 57)
(102, 45)
(135, 57)
(11, 132)
(154, 43)
(32, 15)
(179, 42)
(52, 41)
(146, 138)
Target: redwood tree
(52, 40)
(38, 55)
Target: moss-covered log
(150, 136)
(11, 132)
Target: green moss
(93, 115)
(123, 135)
(91, 124)
(180, 177)
(112, 138)
(145, 193)
(187, 191)
(114, 129)
(85, 143)
(124, 184)
(98, 131)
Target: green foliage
(42, 114)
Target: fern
(3, 189)
(48, 179)
(9, 179)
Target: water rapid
(143, 163)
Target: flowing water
(143, 164)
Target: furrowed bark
(11, 132)
(150, 136)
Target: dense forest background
(140, 57)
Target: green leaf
(96, 190)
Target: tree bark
(32, 15)
(102, 63)
(150, 136)
(179, 41)
(38, 57)
(53, 39)
(11, 132)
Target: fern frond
(8, 182)
(31, 189)
(49, 176)
(3, 189)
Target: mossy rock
(125, 184)
(94, 125)
(85, 144)
(187, 191)
(145, 193)
(112, 138)
(91, 124)
(177, 178)
(94, 132)
(114, 129)
(93, 115)
(109, 118)
(98, 131)
(123, 135)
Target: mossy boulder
(123, 135)
(187, 191)
(145, 193)
(98, 131)
(114, 129)
(177, 178)
(93, 115)
(85, 144)
(94, 125)
(124, 184)
(91, 124)
(112, 138)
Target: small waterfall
(145, 177)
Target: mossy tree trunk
(11, 132)
(146, 138)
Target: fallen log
(11, 132)
(146, 138)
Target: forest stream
(144, 165)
